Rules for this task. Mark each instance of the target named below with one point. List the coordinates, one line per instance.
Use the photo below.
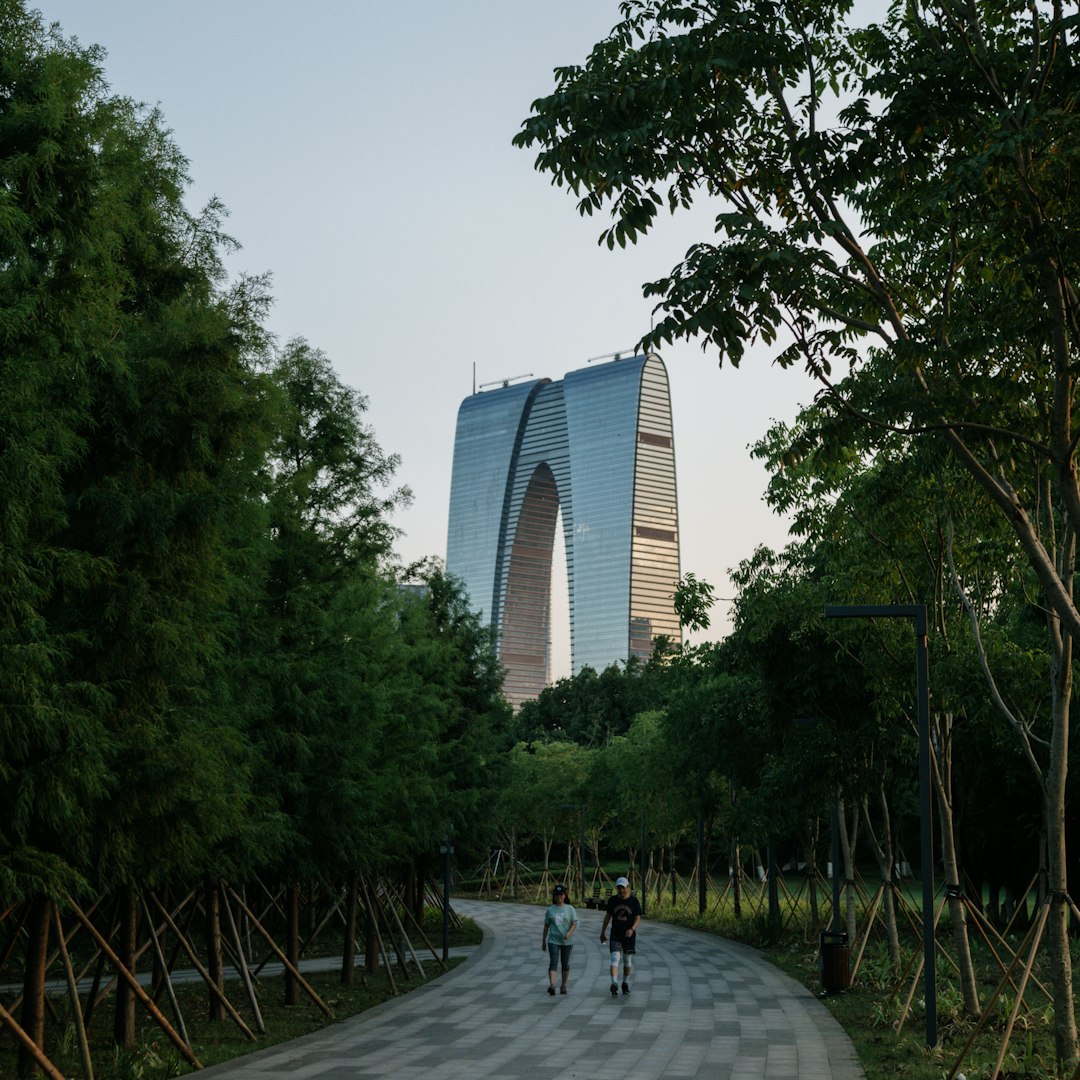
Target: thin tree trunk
(942, 775)
(33, 1007)
(348, 952)
(127, 946)
(1065, 1035)
(736, 865)
(292, 939)
(883, 856)
(849, 832)
(214, 964)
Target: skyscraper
(599, 446)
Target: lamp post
(917, 614)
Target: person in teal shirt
(560, 922)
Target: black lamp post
(917, 614)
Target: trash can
(835, 964)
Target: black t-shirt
(623, 913)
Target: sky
(363, 151)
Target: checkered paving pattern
(701, 1007)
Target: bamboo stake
(73, 992)
(427, 942)
(216, 990)
(138, 991)
(869, 919)
(245, 973)
(982, 926)
(407, 939)
(334, 910)
(43, 1062)
(1020, 993)
(1007, 977)
(280, 955)
(378, 937)
(166, 975)
(918, 971)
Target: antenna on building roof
(632, 351)
(506, 382)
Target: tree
(895, 198)
(321, 630)
(452, 690)
(128, 405)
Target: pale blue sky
(363, 150)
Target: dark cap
(560, 889)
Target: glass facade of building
(599, 447)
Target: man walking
(623, 914)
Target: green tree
(590, 708)
(320, 632)
(123, 351)
(895, 198)
(453, 693)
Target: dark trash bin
(835, 965)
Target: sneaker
(626, 988)
(562, 989)
(551, 990)
(614, 990)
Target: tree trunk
(1065, 1036)
(126, 948)
(942, 775)
(371, 939)
(33, 1008)
(736, 869)
(849, 832)
(810, 843)
(214, 965)
(292, 940)
(348, 951)
(883, 856)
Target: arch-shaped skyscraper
(599, 446)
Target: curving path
(701, 1007)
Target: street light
(917, 614)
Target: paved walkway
(701, 1007)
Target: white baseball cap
(621, 881)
